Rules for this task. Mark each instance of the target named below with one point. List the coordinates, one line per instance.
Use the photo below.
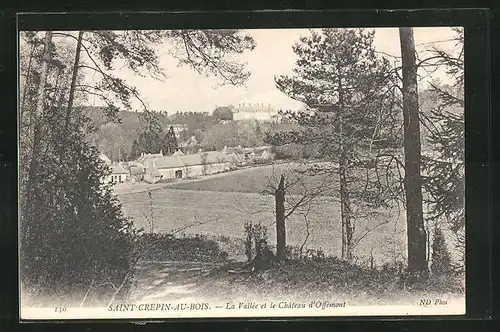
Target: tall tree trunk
(279, 197)
(28, 79)
(73, 82)
(28, 203)
(417, 263)
(345, 203)
(38, 122)
(345, 207)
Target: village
(184, 164)
(157, 167)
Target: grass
(256, 179)
(295, 280)
(220, 206)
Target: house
(136, 173)
(157, 167)
(180, 165)
(105, 159)
(147, 156)
(119, 174)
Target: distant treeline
(202, 130)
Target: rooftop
(118, 169)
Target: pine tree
(171, 141)
(441, 262)
(346, 89)
(445, 169)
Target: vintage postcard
(241, 173)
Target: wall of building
(261, 116)
(195, 170)
(169, 173)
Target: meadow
(222, 205)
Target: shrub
(441, 262)
(73, 233)
(289, 151)
(253, 234)
(164, 247)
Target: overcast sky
(185, 90)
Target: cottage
(180, 165)
(119, 174)
(105, 159)
(148, 156)
(136, 173)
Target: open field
(222, 205)
(257, 179)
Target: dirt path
(166, 281)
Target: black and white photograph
(225, 173)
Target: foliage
(200, 132)
(73, 234)
(349, 116)
(207, 52)
(291, 151)
(164, 246)
(441, 262)
(224, 113)
(74, 237)
(151, 138)
(171, 141)
(254, 233)
(444, 169)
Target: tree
(417, 262)
(346, 89)
(204, 163)
(151, 138)
(221, 135)
(295, 192)
(224, 113)
(444, 170)
(171, 141)
(73, 234)
(279, 196)
(441, 262)
(64, 199)
(39, 127)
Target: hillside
(115, 138)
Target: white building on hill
(258, 111)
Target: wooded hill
(204, 130)
(115, 137)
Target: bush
(73, 233)
(253, 234)
(289, 151)
(163, 247)
(441, 262)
